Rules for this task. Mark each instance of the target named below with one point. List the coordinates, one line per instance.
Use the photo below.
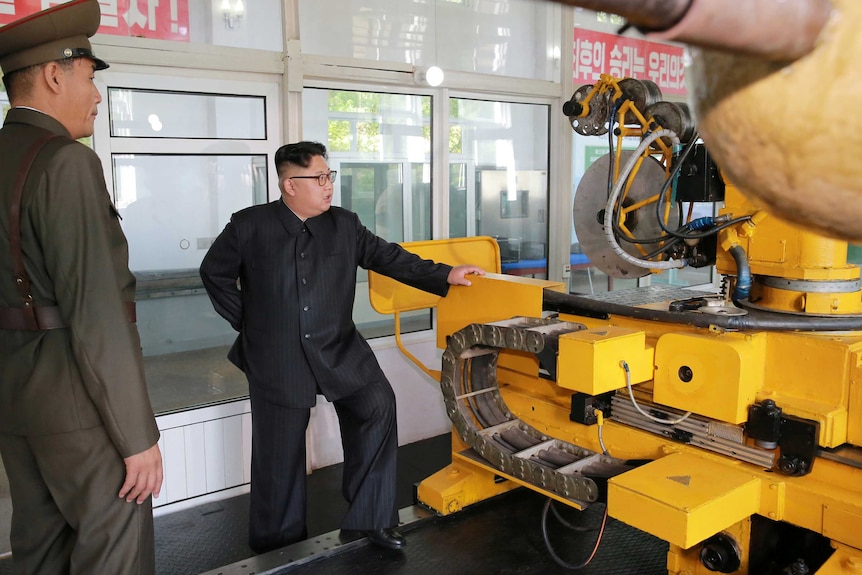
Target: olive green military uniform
(73, 400)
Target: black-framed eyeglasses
(321, 179)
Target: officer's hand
(143, 475)
(456, 275)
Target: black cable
(756, 319)
(565, 523)
(688, 236)
(557, 559)
(672, 243)
(686, 151)
(618, 233)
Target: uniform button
(305, 308)
(302, 255)
(303, 281)
(304, 230)
(308, 336)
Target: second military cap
(60, 32)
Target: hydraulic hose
(757, 320)
(742, 289)
(610, 236)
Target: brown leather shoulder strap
(22, 280)
(31, 317)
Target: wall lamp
(432, 76)
(232, 12)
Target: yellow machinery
(728, 425)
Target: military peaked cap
(60, 32)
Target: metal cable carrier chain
(484, 421)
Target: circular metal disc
(673, 116)
(642, 93)
(722, 310)
(595, 123)
(590, 200)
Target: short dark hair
(20, 83)
(298, 154)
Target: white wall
(421, 413)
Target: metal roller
(589, 205)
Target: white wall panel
(214, 455)
(196, 477)
(174, 458)
(233, 451)
(246, 448)
(205, 451)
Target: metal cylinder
(645, 14)
(770, 29)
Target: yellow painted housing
(589, 360)
(778, 249)
(713, 374)
(683, 498)
(686, 494)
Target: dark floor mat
(503, 536)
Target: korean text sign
(160, 19)
(622, 57)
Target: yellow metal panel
(683, 498)
(845, 561)
(389, 296)
(492, 297)
(714, 375)
(776, 248)
(809, 376)
(687, 561)
(459, 485)
(854, 428)
(589, 360)
(809, 302)
(844, 524)
(773, 497)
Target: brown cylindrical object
(645, 14)
(768, 29)
(789, 134)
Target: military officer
(77, 431)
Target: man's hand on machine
(456, 275)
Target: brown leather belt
(38, 318)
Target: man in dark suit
(296, 259)
(77, 432)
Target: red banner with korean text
(160, 19)
(622, 57)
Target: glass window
(518, 38)
(380, 143)
(175, 190)
(174, 206)
(139, 113)
(498, 179)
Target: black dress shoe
(386, 538)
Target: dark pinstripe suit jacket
(293, 308)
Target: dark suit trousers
(278, 481)
(66, 516)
